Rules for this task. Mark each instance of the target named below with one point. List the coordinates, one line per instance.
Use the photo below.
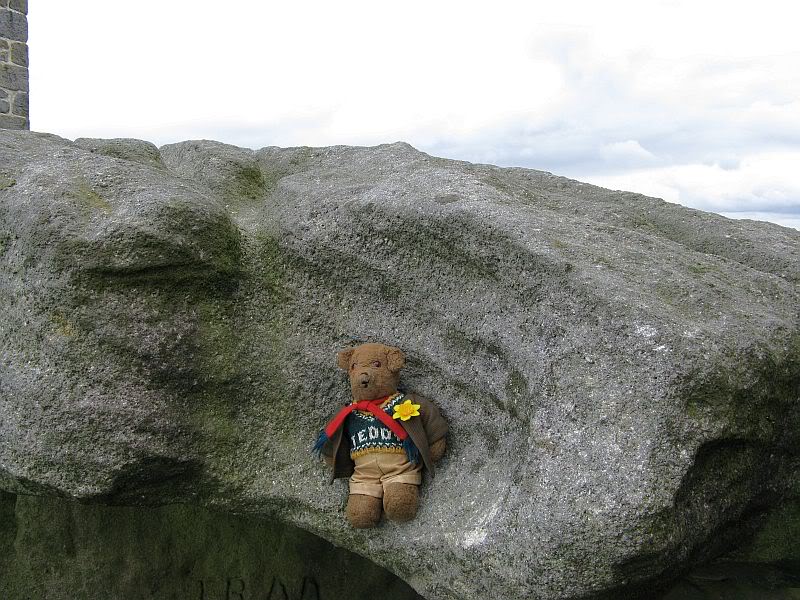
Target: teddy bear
(382, 439)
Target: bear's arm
(438, 449)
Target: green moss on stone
(751, 393)
(6, 182)
(8, 530)
(5, 241)
(144, 156)
(779, 537)
(217, 338)
(62, 325)
(700, 269)
(214, 415)
(469, 345)
(301, 156)
(250, 182)
(516, 386)
(83, 193)
(271, 260)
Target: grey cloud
(711, 116)
(786, 220)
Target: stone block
(13, 25)
(20, 104)
(3, 94)
(3, 3)
(19, 5)
(3, 45)
(4, 107)
(19, 53)
(4, 56)
(13, 77)
(13, 122)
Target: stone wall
(14, 64)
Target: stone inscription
(236, 588)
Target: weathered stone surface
(125, 149)
(620, 373)
(4, 106)
(234, 174)
(13, 26)
(13, 122)
(20, 104)
(19, 5)
(13, 77)
(19, 53)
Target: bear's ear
(395, 359)
(343, 358)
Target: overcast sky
(696, 102)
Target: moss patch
(516, 386)
(779, 537)
(6, 182)
(62, 325)
(700, 269)
(83, 193)
(5, 241)
(250, 182)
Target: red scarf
(373, 406)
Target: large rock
(621, 374)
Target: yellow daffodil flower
(406, 410)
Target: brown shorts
(377, 469)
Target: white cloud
(766, 182)
(361, 72)
(627, 152)
(693, 102)
(785, 220)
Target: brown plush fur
(374, 370)
(400, 501)
(438, 448)
(363, 512)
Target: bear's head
(374, 370)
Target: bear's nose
(363, 379)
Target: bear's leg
(363, 511)
(400, 501)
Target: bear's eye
(376, 364)
(353, 366)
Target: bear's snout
(364, 379)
